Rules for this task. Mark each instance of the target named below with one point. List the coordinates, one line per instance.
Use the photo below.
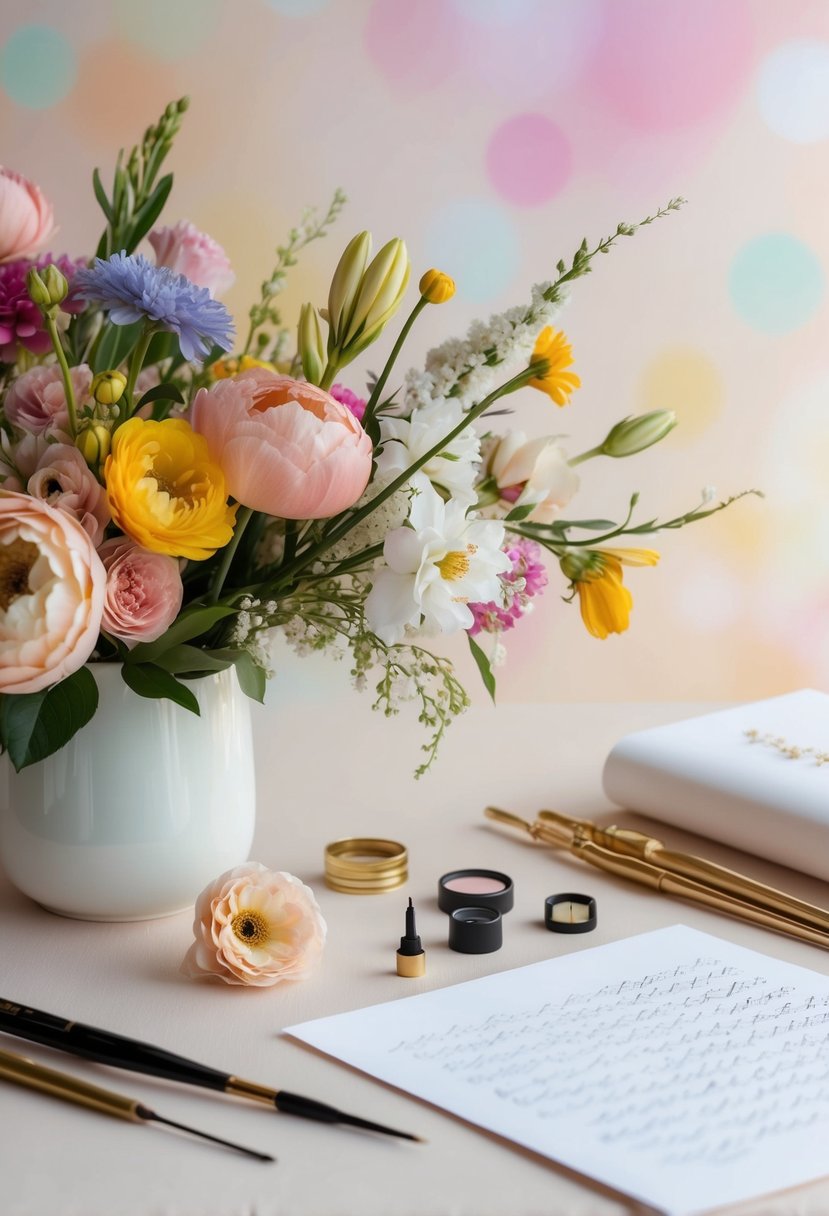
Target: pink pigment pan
(475, 889)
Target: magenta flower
(350, 400)
(526, 579)
(21, 321)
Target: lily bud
(47, 287)
(93, 443)
(437, 287)
(108, 387)
(383, 286)
(345, 285)
(634, 434)
(310, 345)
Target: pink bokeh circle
(663, 65)
(415, 45)
(528, 160)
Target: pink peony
(36, 401)
(286, 447)
(63, 479)
(143, 591)
(195, 255)
(52, 586)
(255, 926)
(26, 220)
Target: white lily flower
(434, 569)
(405, 441)
(533, 472)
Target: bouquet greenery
(170, 498)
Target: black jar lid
(580, 919)
(475, 930)
(475, 888)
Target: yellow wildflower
(552, 347)
(437, 287)
(164, 490)
(604, 600)
(223, 369)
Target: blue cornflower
(132, 289)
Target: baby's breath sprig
(311, 228)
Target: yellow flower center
(250, 927)
(453, 566)
(16, 561)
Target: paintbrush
(121, 1052)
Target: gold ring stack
(365, 865)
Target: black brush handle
(105, 1047)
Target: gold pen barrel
(63, 1085)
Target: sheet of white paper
(673, 1066)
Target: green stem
(310, 555)
(371, 405)
(328, 375)
(588, 455)
(68, 389)
(136, 363)
(242, 520)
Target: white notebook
(710, 776)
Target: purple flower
(350, 400)
(21, 321)
(132, 289)
(526, 579)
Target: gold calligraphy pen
(643, 859)
(23, 1071)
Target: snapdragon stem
(310, 555)
(228, 553)
(68, 388)
(371, 405)
(136, 363)
(588, 455)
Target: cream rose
(52, 586)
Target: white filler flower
(434, 569)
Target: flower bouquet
(171, 496)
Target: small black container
(495, 890)
(575, 926)
(475, 930)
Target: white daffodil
(406, 440)
(434, 569)
(533, 472)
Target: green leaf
(162, 346)
(590, 525)
(519, 513)
(148, 212)
(252, 679)
(192, 623)
(34, 725)
(100, 194)
(149, 680)
(115, 345)
(483, 666)
(189, 660)
(161, 392)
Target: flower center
(16, 561)
(250, 927)
(455, 564)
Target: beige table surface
(328, 769)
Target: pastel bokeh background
(493, 135)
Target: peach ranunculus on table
(127, 978)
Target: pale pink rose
(21, 457)
(194, 254)
(52, 586)
(63, 479)
(36, 401)
(533, 472)
(285, 447)
(255, 926)
(26, 220)
(143, 593)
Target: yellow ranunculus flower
(437, 287)
(165, 492)
(553, 349)
(604, 600)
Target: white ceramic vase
(140, 810)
